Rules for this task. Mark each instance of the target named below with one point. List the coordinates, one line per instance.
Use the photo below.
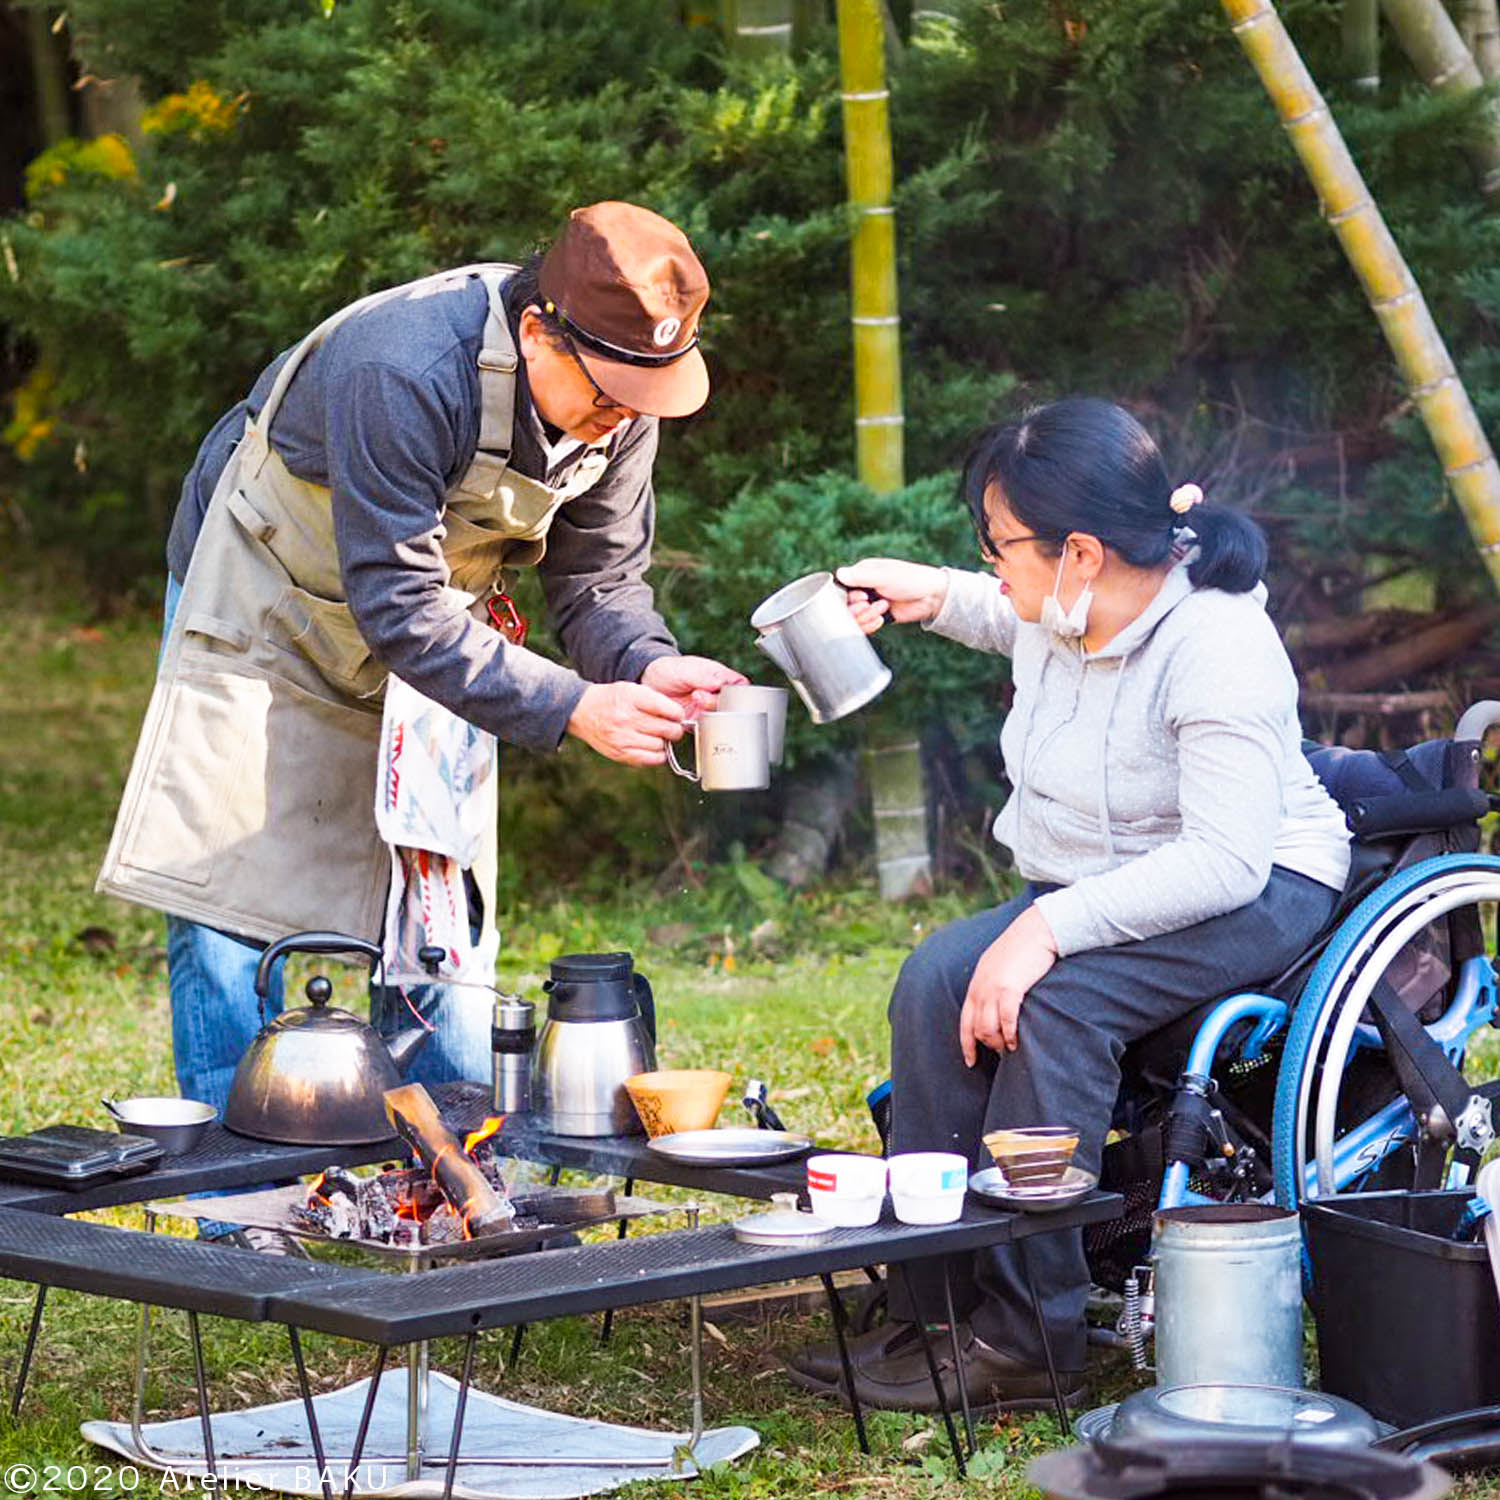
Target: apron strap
(497, 394)
(256, 441)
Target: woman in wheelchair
(1175, 842)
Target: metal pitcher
(807, 630)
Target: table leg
(958, 1364)
(623, 1230)
(470, 1344)
(364, 1422)
(695, 1317)
(31, 1333)
(325, 1480)
(205, 1416)
(937, 1383)
(516, 1340)
(1063, 1420)
(416, 1407)
(836, 1312)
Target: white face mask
(1069, 626)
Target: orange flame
(490, 1127)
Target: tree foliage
(1092, 196)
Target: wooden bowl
(1033, 1155)
(674, 1099)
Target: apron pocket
(209, 724)
(261, 797)
(324, 632)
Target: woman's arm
(969, 608)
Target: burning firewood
(481, 1208)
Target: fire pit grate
(275, 1208)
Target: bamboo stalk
(1436, 50)
(1421, 356)
(1361, 33)
(878, 415)
(1479, 25)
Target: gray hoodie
(1158, 780)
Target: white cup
(846, 1190)
(927, 1187)
(749, 698)
(731, 751)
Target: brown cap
(627, 288)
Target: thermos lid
(592, 968)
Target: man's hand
(693, 682)
(878, 586)
(627, 721)
(1020, 956)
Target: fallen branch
(1377, 703)
(1399, 660)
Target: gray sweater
(1158, 780)
(385, 414)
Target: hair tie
(1185, 497)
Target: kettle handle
(309, 942)
(647, 1002)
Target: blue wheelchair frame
(1475, 1003)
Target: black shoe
(817, 1367)
(996, 1381)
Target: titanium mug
(806, 629)
(747, 698)
(732, 751)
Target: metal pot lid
(783, 1225)
(1249, 1413)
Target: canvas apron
(250, 802)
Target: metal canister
(1228, 1290)
(513, 1040)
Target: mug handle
(676, 765)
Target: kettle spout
(774, 645)
(406, 1044)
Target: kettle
(317, 1076)
(600, 1030)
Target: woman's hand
(907, 591)
(1015, 961)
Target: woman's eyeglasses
(995, 550)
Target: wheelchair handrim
(1320, 997)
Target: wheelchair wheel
(1316, 1119)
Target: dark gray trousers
(1074, 1026)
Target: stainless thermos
(513, 1039)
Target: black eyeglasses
(996, 550)
(602, 400)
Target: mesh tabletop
(158, 1268)
(627, 1273)
(222, 1159)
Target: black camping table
(467, 1299)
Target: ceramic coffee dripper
(807, 630)
(732, 752)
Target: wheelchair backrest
(1403, 806)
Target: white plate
(737, 1146)
(991, 1187)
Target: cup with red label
(846, 1190)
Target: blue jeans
(215, 1013)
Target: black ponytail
(1231, 550)
(1086, 465)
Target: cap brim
(674, 390)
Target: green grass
(800, 1003)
